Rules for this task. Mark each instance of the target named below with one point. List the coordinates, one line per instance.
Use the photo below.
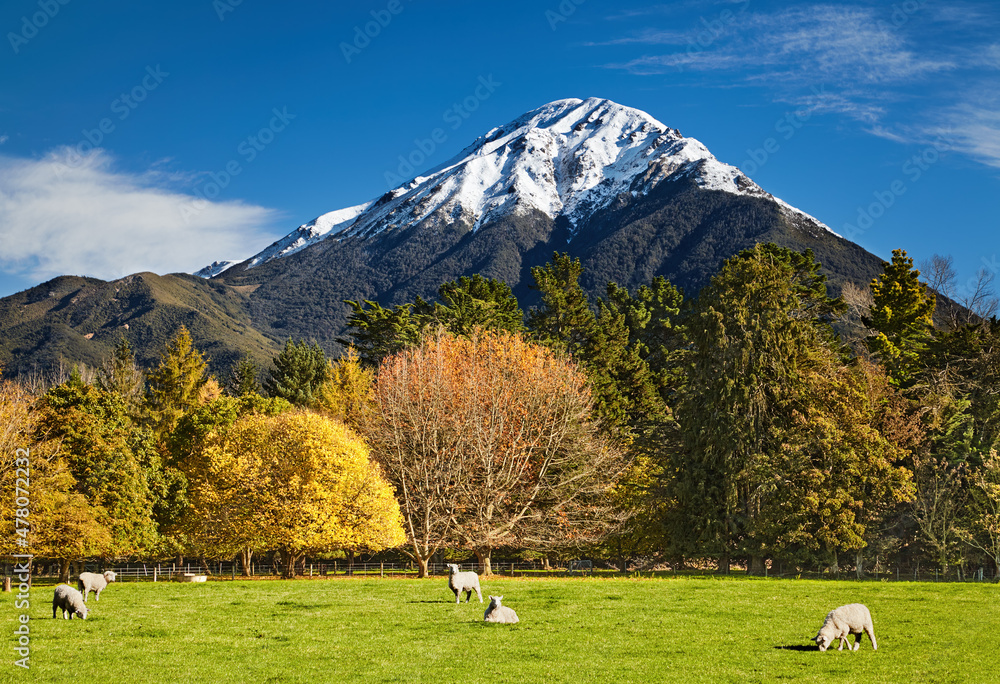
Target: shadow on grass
(442, 601)
(796, 647)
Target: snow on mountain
(568, 158)
(214, 269)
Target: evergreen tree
(299, 371)
(752, 331)
(119, 374)
(243, 378)
(175, 385)
(901, 316)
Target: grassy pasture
(572, 630)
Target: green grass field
(571, 630)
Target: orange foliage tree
(489, 441)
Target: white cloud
(91, 219)
(4, 138)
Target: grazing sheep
(92, 582)
(499, 613)
(841, 622)
(70, 601)
(463, 581)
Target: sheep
(841, 622)
(70, 601)
(92, 582)
(463, 581)
(499, 613)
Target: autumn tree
(299, 371)
(489, 441)
(175, 384)
(347, 395)
(983, 532)
(296, 482)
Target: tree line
(762, 421)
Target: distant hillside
(79, 320)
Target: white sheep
(499, 613)
(841, 622)
(463, 581)
(92, 582)
(70, 601)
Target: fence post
(310, 569)
(381, 569)
(154, 572)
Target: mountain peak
(569, 158)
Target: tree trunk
(288, 560)
(204, 566)
(350, 562)
(246, 557)
(859, 564)
(422, 564)
(64, 569)
(757, 565)
(723, 564)
(483, 556)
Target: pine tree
(119, 374)
(175, 385)
(752, 332)
(243, 378)
(901, 317)
(299, 371)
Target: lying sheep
(499, 613)
(841, 622)
(463, 581)
(91, 581)
(70, 601)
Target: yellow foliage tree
(347, 395)
(297, 482)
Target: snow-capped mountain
(570, 158)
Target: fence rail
(216, 570)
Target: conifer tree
(119, 374)
(299, 371)
(175, 385)
(243, 378)
(901, 316)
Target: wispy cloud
(882, 66)
(91, 219)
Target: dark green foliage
(753, 331)
(299, 370)
(901, 317)
(175, 385)
(466, 304)
(112, 458)
(120, 375)
(243, 378)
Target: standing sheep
(463, 581)
(841, 622)
(70, 601)
(90, 581)
(499, 613)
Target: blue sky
(162, 136)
